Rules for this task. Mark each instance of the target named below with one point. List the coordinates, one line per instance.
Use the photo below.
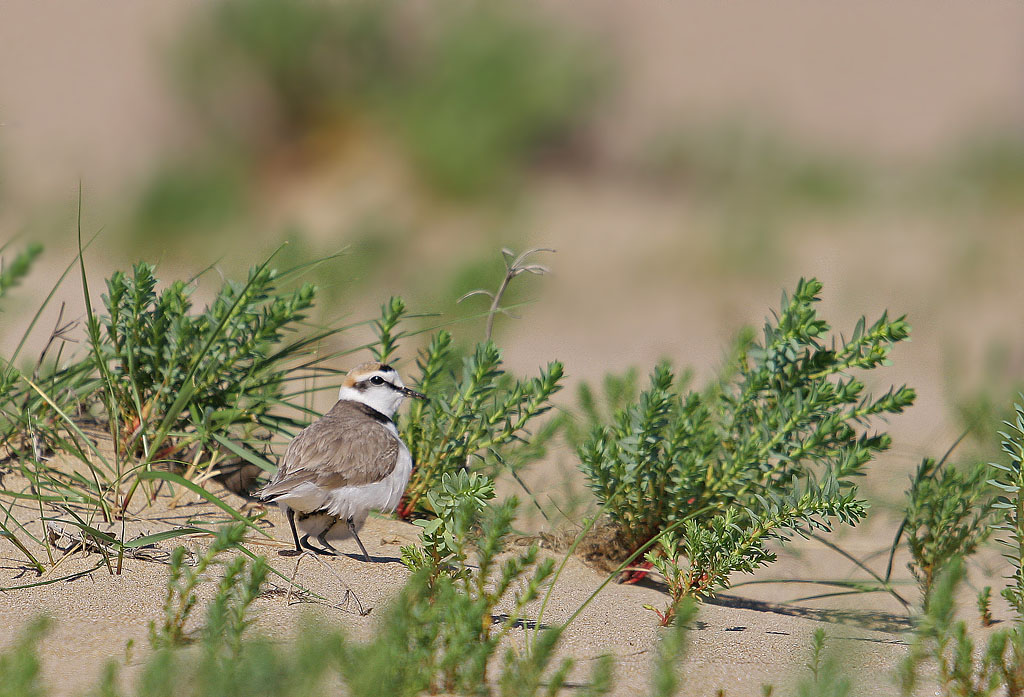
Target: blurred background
(686, 160)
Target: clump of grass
(11, 274)
(754, 180)
(941, 639)
(1009, 478)
(826, 677)
(985, 606)
(770, 450)
(295, 63)
(467, 591)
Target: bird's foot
(316, 550)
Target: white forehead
(359, 376)
(387, 372)
(385, 397)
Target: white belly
(346, 502)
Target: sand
(739, 641)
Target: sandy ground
(739, 641)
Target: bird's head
(376, 385)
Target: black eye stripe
(375, 381)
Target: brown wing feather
(342, 449)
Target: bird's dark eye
(376, 380)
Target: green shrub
(197, 375)
(491, 88)
(943, 644)
(177, 389)
(226, 616)
(474, 418)
(186, 200)
(981, 393)
(701, 561)
(947, 517)
(770, 449)
(457, 575)
(598, 407)
(985, 171)
(11, 274)
(20, 665)
(458, 503)
(299, 63)
(755, 168)
(471, 94)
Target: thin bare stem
(514, 265)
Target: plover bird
(346, 463)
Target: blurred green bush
(470, 91)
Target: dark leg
(291, 521)
(322, 539)
(313, 548)
(352, 529)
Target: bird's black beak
(413, 393)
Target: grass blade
(161, 536)
(200, 491)
(24, 550)
(69, 577)
(245, 454)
